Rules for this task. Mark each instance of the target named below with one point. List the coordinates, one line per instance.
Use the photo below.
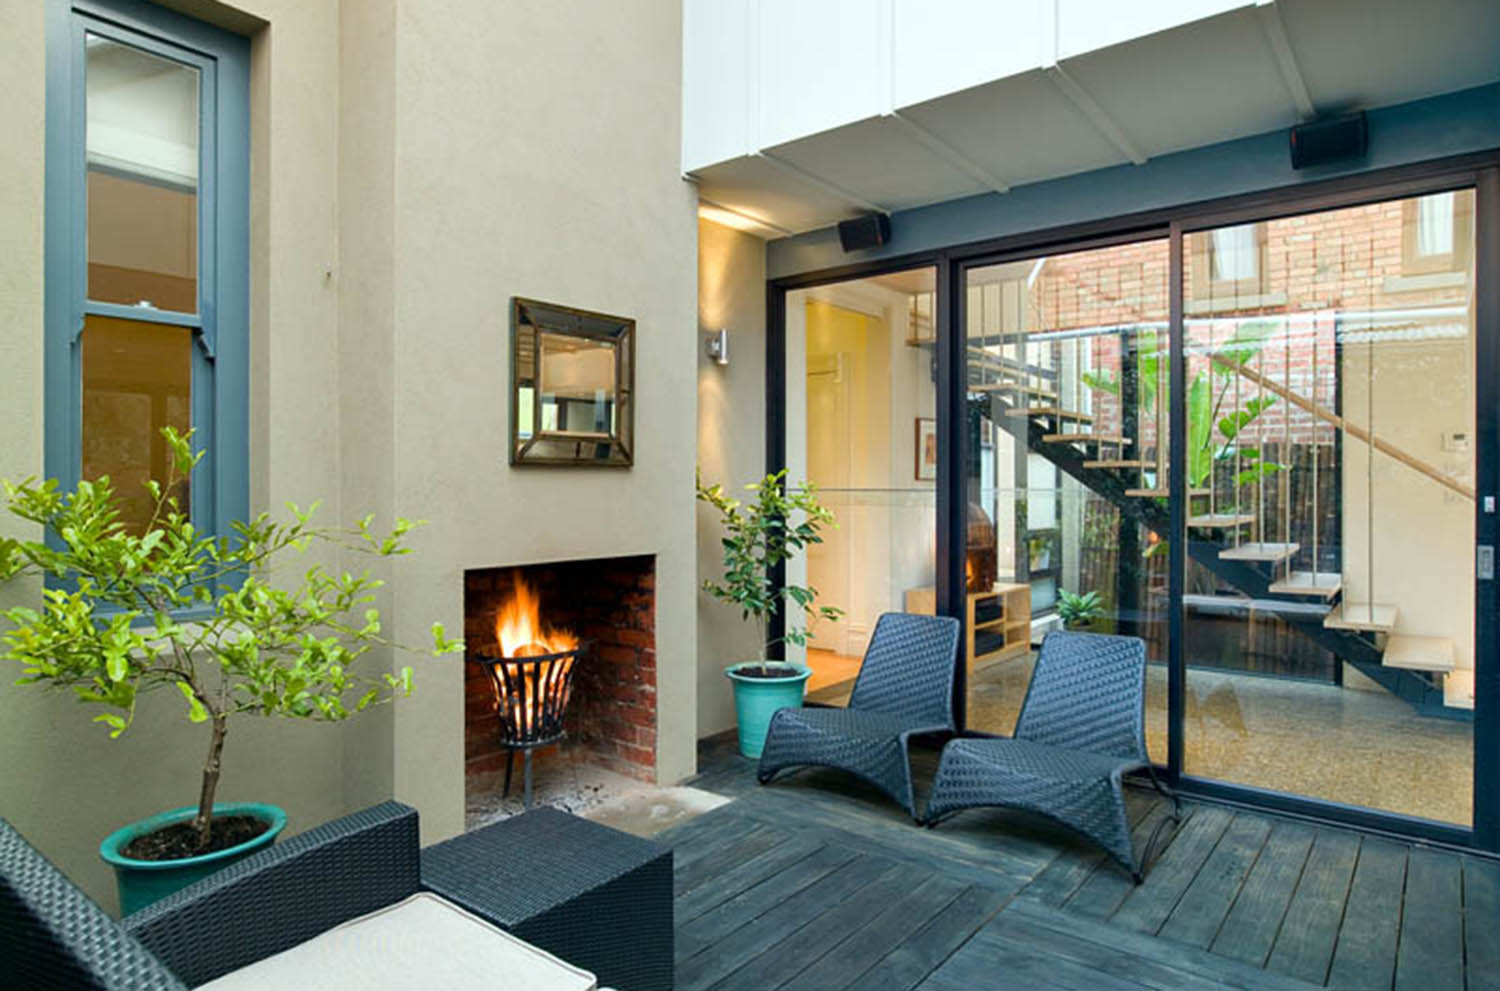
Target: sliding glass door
(1329, 590)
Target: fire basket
(531, 697)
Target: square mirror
(572, 374)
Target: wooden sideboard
(998, 624)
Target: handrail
(1359, 433)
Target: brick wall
(610, 605)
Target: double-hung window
(147, 254)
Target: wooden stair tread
(1211, 521)
(1259, 551)
(1087, 438)
(1055, 411)
(1458, 688)
(1145, 493)
(1200, 492)
(1324, 583)
(1119, 463)
(1361, 616)
(1418, 653)
(1013, 387)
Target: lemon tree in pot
(771, 527)
(129, 610)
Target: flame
(518, 626)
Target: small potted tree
(1079, 611)
(766, 531)
(131, 610)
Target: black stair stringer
(1239, 575)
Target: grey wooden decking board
(1204, 906)
(1482, 923)
(1147, 907)
(1075, 862)
(1249, 931)
(846, 963)
(1187, 959)
(1365, 956)
(742, 877)
(1430, 957)
(912, 960)
(1109, 884)
(1147, 973)
(742, 944)
(733, 849)
(703, 834)
(1019, 963)
(903, 839)
(801, 949)
(712, 926)
(1309, 932)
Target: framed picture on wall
(926, 460)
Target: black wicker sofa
(295, 906)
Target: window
(1437, 234)
(1229, 268)
(147, 253)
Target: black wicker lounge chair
(904, 687)
(1081, 729)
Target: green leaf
(196, 712)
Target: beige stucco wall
(731, 439)
(536, 155)
(63, 782)
(412, 168)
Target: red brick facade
(611, 606)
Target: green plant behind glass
(776, 523)
(112, 625)
(1078, 610)
(1213, 435)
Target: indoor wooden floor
(817, 882)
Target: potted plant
(130, 610)
(1079, 612)
(766, 531)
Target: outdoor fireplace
(532, 675)
(562, 668)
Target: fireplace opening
(562, 672)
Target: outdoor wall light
(716, 346)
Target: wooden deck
(816, 882)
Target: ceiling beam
(1102, 121)
(949, 154)
(1281, 48)
(833, 189)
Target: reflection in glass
(137, 379)
(1066, 402)
(861, 405)
(1330, 593)
(142, 155)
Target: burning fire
(518, 627)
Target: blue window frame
(211, 305)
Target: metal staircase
(1234, 542)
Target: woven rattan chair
(904, 688)
(1081, 729)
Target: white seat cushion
(422, 942)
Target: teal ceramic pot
(757, 699)
(141, 882)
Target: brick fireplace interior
(610, 605)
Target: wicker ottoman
(594, 896)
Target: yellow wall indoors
(413, 166)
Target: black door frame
(952, 263)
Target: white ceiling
(1239, 72)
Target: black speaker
(1330, 140)
(870, 231)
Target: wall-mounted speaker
(1330, 140)
(870, 231)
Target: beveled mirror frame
(529, 318)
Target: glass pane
(576, 378)
(1330, 589)
(142, 141)
(1067, 377)
(137, 379)
(861, 407)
